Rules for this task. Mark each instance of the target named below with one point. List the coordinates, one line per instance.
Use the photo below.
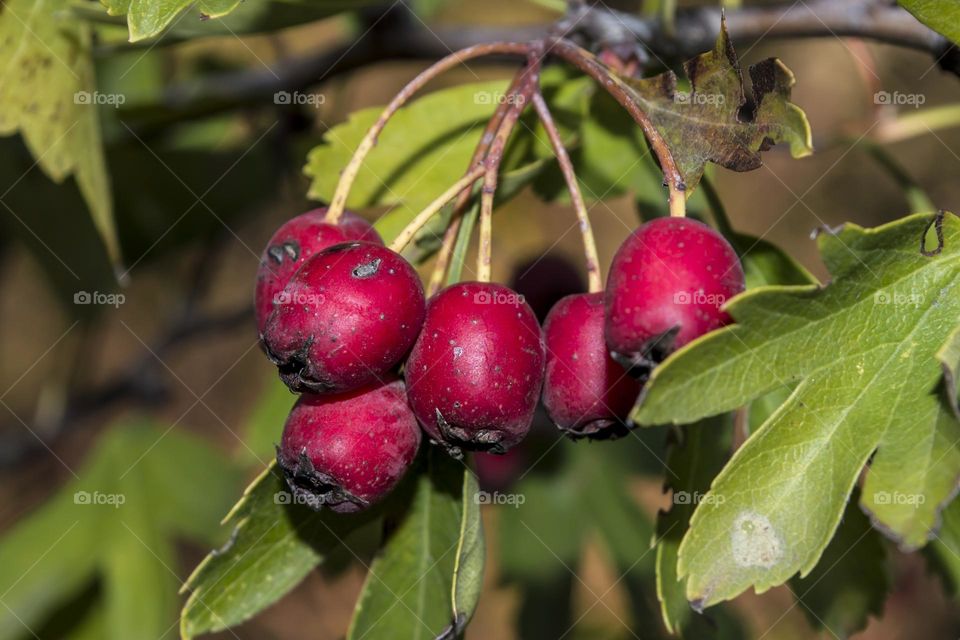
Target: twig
(566, 166)
(349, 173)
(479, 153)
(465, 183)
(527, 86)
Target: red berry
(356, 228)
(348, 451)
(295, 241)
(475, 372)
(584, 391)
(667, 283)
(346, 318)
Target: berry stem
(527, 86)
(613, 85)
(406, 235)
(563, 158)
(479, 153)
(349, 173)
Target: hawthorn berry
(296, 240)
(347, 317)
(667, 283)
(585, 392)
(347, 451)
(475, 372)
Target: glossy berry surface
(346, 319)
(347, 451)
(666, 286)
(585, 392)
(474, 374)
(296, 240)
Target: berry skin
(475, 372)
(667, 283)
(356, 228)
(296, 240)
(585, 392)
(348, 451)
(348, 317)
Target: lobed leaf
(862, 352)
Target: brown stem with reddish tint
(349, 173)
(529, 81)
(584, 61)
(450, 236)
(594, 279)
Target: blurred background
(160, 348)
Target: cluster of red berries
(339, 313)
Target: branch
(695, 31)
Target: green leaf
(943, 16)
(707, 124)
(945, 549)
(850, 583)
(408, 591)
(147, 18)
(862, 352)
(274, 544)
(471, 554)
(696, 456)
(949, 357)
(116, 521)
(47, 93)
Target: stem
(349, 173)
(528, 82)
(566, 166)
(921, 121)
(406, 235)
(582, 60)
(479, 153)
